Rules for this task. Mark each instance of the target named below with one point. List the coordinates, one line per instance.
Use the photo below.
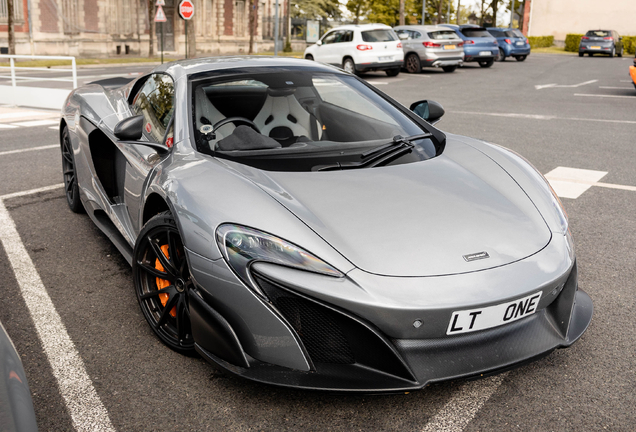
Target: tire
(501, 56)
(620, 54)
(486, 63)
(581, 54)
(413, 64)
(160, 267)
(392, 72)
(71, 187)
(520, 58)
(590, 54)
(348, 65)
(449, 68)
(309, 57)
(613, 53)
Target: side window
(155, 101)
(415, 35)
(403, 34)
(347, 37)
(329, 38)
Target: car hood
(435, 217)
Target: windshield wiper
(385, 153)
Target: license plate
(595, 47)
(519, 43)
(449, 47)
(385, 58)
(492, 316)
(485, 53)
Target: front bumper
(365, 67)
(349, 352)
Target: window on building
(70, 16)
(120, 16)
(240, 19)
(18, 13)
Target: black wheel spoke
(172, 250)
(167, 265)
(182, 321)
(155, 272)
(168, 290)
(69, 171)
(166, 310)
(67, 156)
(69, 185)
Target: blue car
(512, 43)
(479, 45)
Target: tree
(316, 9)
(10, 26)
(253, 19)
(439, 11)
(401, 12)
(357, 8)
(151, 30)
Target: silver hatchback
(430, 46)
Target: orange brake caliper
(162, 283)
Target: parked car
(479, 45)
(607, 42)
(632, 72)
(16, 406)
(430, 46)
(512, 43)
(360, 48)
(257, 201)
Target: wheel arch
(154, 204)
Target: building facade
(108, 28)
(558, 18)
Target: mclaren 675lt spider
(296, 226)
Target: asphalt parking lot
(557, 111)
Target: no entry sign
(186, 9)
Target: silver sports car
(296, 226)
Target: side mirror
(130, 129)
(319, 42)
(430, 111)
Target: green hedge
(629, 45)
(572, 42)
(541, 41)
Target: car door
(155, 102)
(326, 51)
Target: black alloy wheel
(520, 58)
(309, 57)
(71, 187)
(449, 68)
(581, 54)
(392, 72)
(486, 63)
(162, 282)
(413, 64)
(501, 56)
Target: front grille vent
(317, 326)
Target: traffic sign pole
(186, 12)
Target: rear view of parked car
(430, 46)
(607, 42)
(512, 43)
(360, 48)
(479, 45)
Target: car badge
(476, 256)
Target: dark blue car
(479, 45)
(512, 43)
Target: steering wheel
(236, 120)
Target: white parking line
(37, 123)
(541, 117)
(606, 96)
(82, 401)
(6, 126)
(616, 88)
(464, 405)
(46, 147)
(572, 182)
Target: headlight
(241, 246)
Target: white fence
(37, 97)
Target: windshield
(598, 33)
(286, 114)
(476, 33)
(443, 35)
(378, 36)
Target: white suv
(360, 48)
